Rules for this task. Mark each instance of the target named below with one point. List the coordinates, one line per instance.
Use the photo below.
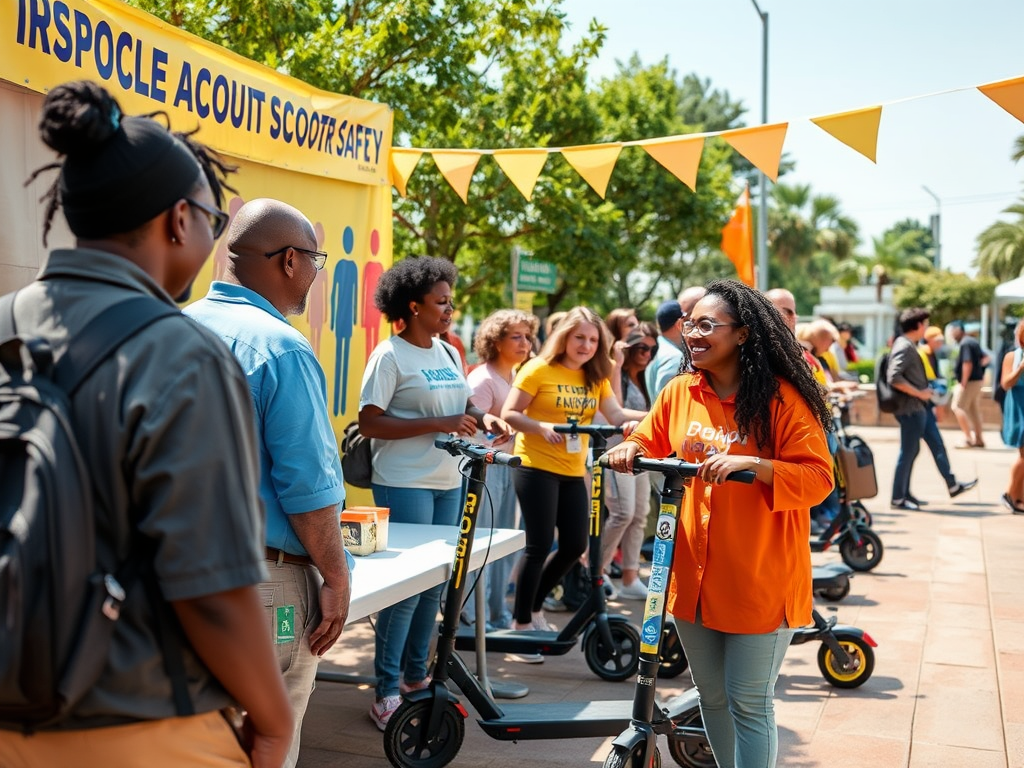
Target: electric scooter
(610, 643)
(845, 659)
(428, 728)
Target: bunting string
(761, 145)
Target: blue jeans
(912, 429)
(404, 630)
(933, 439)
(735, 679)
(829, 508)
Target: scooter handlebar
(458, 446)
(678, 467)
(605, 430)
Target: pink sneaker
(383, 709)
(405, 688)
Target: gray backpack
(57, 608)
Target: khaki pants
(200, 741)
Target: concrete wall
(864, 411)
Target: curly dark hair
(770, 351)
(80, 116)
(410, 280)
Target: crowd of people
(247, 550)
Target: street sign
(538, 276)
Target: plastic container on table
(365, 529)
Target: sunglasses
(645, 348)
(218, 219)
(319, 257)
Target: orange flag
(738, 239)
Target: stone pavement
(945, 605)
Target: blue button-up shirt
(299, 466)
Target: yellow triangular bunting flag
(457, 168)
(522, 166)
(761, 145)
(594, 162)
(680, 156)
(857, 129)
(1008, 94)
(403, 163)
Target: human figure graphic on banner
(316, 307)
(371, 315)
(344, 308)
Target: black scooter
(428, 728)
(845, 658)
(610, 643)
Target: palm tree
(897, 255)
(801, 225)
(1001, 246)
(1018, 150)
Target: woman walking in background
(1012, 381)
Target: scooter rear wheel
(691, 753)
(407, 743)
(602, 663)
(620, 757)
(861, 654)
(673, 657)
(861, 549)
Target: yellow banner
(244, 109)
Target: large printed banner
(243, 108)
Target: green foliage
(865, 370)
(1001, 246)
(947, 296)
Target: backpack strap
(103, 335)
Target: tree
(1001, 246)
(947, 295)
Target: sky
(826, 57)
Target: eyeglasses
(319, 257)
(645, 348)
(218, 219)
(705, 326)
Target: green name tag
(285, 624)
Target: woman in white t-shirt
(413, 392)
(503, 342)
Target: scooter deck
(515, 641)
(559, 720)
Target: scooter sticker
(666, 527)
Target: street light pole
(762, 181)
(936, 219)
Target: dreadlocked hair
(770, 351)
(80, 116)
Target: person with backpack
(905, 373)
(272, 263)
(165, 429)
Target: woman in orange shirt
(741, 575)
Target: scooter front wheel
(861, 549)
(407, 743)
(691, 751)
(835, 594)
(600, 659)
(621, 757)
(862, 662)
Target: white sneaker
(383, 709)
(526, 658)
(635, 591)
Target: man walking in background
(272, 264)
(969, 373)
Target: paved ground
(946, 607)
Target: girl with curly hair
(414, 391)
(741, 575)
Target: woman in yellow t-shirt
(567, 381)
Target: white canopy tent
(1011, 291)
